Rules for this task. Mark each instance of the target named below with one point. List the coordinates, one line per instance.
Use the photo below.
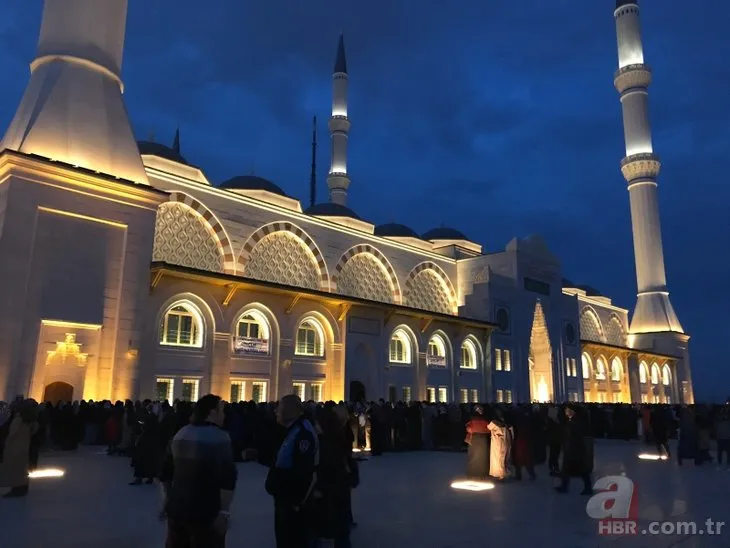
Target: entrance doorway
(357, 391)
(58, 392)
(540, 359)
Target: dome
(251, 182)
(396, 230)
(163, 151)
(444, 233)
(330, 209)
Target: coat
(16, 456)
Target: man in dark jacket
(292, 476)
(577, 452)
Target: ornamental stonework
(284, 259)
(615, 332)
(590, 326)
(364, 277)
(183, 238)
(428, 292)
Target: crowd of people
(309, 447)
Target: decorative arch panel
(365, 272)
(615, 331)
(429, 288)
(590, 326)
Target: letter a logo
(614, 499)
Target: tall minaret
(72, 110)
(640, 167)
(339, 125)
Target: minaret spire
(339, 126)
(313, 174)
(176, 142)
(654, 312)
(72, 110)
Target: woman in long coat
(477, 437)
(16, 454)
(500, 447)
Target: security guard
(292, 476)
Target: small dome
(163, 151)
(444, 233)
(330, 209)
(396, 230)
(251, 182)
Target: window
(400, 347)
(443, 394)
(463, 395)
(585, 361)
(601, 369)
(536, 286)
(436, 355)
(644, 398)
(502, 318)
(430, 394)
(252, 334)
(190, 389)
(508, 396)
(570, 334)
(309, 339)
(316, 392)
(182, 325)
(655, 375)
(666, 376)
(573, 396)
(667, 399)
(407, 394)
(238, 391)
(506, 360)
(497, 359)
(616, 369)
(500, 396)
(474, 395)
(468, 355)
(165, 390)
(643, 373)
(258, 391)
(392, 394)
(655, 399)
(571, 366)
(248, 326)
(299, 389)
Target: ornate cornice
(632, 76)
(640, 166)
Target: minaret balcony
(632, 76)
(640, 166)
(339, 124)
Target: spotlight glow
(47, 473)
(472, 485)
(358, 450)
(652, 456)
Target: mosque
(127, 273)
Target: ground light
(47, 473)
(652, 456)
(472, 485)
(358, 450)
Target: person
(577, 459)
(687, 446)
(199, 479)
(477, 438)
(500, 446)
(292, 476)
(660, 429)
(554, 440)
(145, 456)
(722, 435)
(16, 452)
(522, 450)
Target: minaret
(72, 110)
(339, 125)
(313, 173)
(640, 167)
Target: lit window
(443, 394)
(309, 339)
(298, 389)
(316, 390)
(463, 395)
(500, 396)
(567, 367)
(190, 389)
(497, 359)
(165, 390)
(655, 375)
(431, 394)
(258, 391)
(585, 361)
(643, 373)
(474, 395)
(468, 355)
(252, 334)
(392, 393)
(182, 325)
(506, 360)
(400, 347)
(407, 394)
(575, 368)
(238, 391)
(616, 368)
(508, 396)
(644, 398)
(436, 352)
(600, 369)
(666, 376)
(667, 399)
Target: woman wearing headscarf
(500, 447)
(16, 454)
(477, 438)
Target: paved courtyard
(404, 500)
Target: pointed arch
(591, 327)
(615, 332)
(419, 295)
(293, 230)
(213, 223)
(379, 258)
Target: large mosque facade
(127, 273)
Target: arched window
(468, 354)
(654, 374)
(585, 361)
(436, 352)
(252, 334)
(400, 347)
(666, 375)
(601, 369)
(310, 339)
(616, 369)
(182, 325)
(643, 373)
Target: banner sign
(438, 361)
(249, 345)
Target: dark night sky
(498, 118)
